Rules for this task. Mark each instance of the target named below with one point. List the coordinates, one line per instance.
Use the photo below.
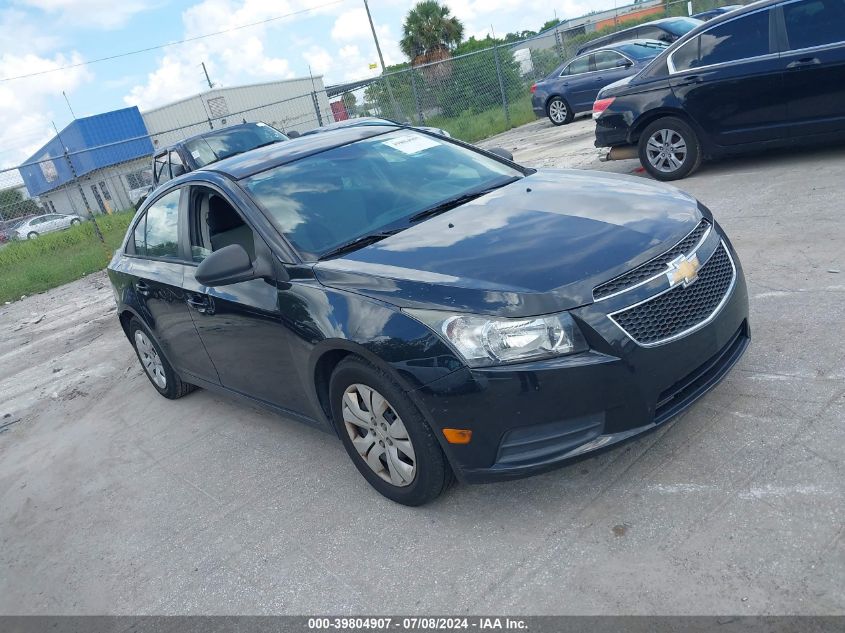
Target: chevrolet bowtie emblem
(684, 270)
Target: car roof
(364, 120)
(269, 156)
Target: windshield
(681, 26)
(642, 50)
(374, 185)
(219, 145)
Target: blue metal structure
(92, 143)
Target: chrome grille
(680, 310)
(652, 267)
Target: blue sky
(334, 40)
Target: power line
(176, 43)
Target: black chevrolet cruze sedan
(443, 310)
(766, 75)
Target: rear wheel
(559, 111)
(31, 235)
(75, 221)
(161, 374)
(669, 149)
(385, 434)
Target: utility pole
(207, 78)
(381, 60)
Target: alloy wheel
(379, 435)
(557, 111)
(666, 150)
(150, 359)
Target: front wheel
(559, 111)
(385, 434)
(669, 149)
(160, 373)
(31, 235)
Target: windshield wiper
(457, 201)
(359, 242)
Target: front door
(240, 324)
(156, 270)
(814, 65)
(729, 80)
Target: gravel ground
(114, 500)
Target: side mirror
(229, 265)
(499, 151)
(624, 63)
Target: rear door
(729, 80)
(156, 267)
(578, 82)
(813, 60)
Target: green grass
(31, 266)
(475, 126)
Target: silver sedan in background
(40, 224)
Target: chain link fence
(471, 96)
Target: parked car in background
(713, 13)
(572, 87)
(767, 75)
(665, 30)
(207, 148)
(444, 311)
(371, 120)
(41, 224)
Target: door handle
(142, 289)
(201, 305)
(691, 79)
(804, 61)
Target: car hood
(538, 245)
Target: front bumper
(533, 417)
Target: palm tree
(429, 33)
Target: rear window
(680, 26)
(739, 39)
(814, 23)
(642, 50)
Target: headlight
(483, 340)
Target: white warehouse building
(291, 104)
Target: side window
(686, 56)
(814, 23)
(738, 39)
(605, 60)
(177, 168)
(214, 223)
(157, 233)
(161, 172)
(578, 66)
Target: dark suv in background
(665, 30)
(769, 74)
(209, 147)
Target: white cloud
(351, 25)
(104, 14)
(24, 114)
(319, 59)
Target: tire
(74, 222)
(412, 469)
(160, 373)
(31, 235)
(558, 111)
(659, 147)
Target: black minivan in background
(769, 74)
(665, 30)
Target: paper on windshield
(411, 143)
